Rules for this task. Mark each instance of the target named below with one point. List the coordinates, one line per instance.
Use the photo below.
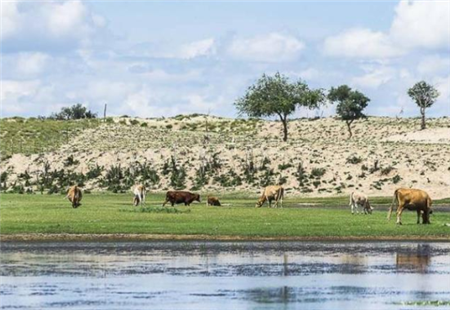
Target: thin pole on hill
(104, 112)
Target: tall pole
(104, 112)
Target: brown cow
(412, 199)
(74, 195)
(176, 197)
(270, 193)
(213, 201)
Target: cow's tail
(394, 201)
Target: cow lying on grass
(176, 197)
(412, 199)
(139, 192)
(271, 193)
(74, 195)
(358, 199)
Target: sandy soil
(388, 153)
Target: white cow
(139, 192)
(358, 199)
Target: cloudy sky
(166, 58)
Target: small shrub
(354, 160)
(70, 161)
(284, 166)
(387, 170)
(318, 172)
(396, 179)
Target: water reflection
(195, 275)
(417, 260)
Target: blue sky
(166, 58)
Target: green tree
(77, 111)
(276, 96)
(424, 95)
(351, 103)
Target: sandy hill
(217, 154)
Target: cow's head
(260, 202)
(369, 207)
(197, 197)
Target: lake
(224, 275)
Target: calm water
(199, 275)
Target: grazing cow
(270, 193)
(176, 197)
(74, 195)
(412, 199)
(213, 201)
(358, 199)
(139, 192)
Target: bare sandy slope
(384, 154)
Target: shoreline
(169, 237)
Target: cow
(270, 193)
(139, 192)
(412, 199)
(176, 197)
(213, 201)
(74, 195)
(358, 199)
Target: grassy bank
(31, 135)
(114, 214)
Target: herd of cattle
(405, 198)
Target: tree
(424, 95)
(351, 103)
(276, 96)
(77, 111)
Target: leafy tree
(351, 103)
(276, 96)
(76, 111)
(424, 95)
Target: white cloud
(416, 24)
(422, 24)
(38, 26)
(31, 64)
(361, 43)
(434, 65)
(374, 77)
(274, 47)
(197, 48)
(10, 19)
(15, 93)
(67, 18)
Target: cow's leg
(426, 217)
(399, 215)
(167, 200)
(143, 198)
(351, 205)
(418, 217)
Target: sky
(164, 58)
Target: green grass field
(113, 214)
